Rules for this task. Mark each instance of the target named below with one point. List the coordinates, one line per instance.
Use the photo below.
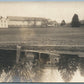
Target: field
(43, 36)
(48, 40)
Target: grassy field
(43, 36)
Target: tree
(63, 22)
(75, 21)
(67, 66)
(81, 66)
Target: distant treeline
(74, 23)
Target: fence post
(18, 53)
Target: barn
(26, 22)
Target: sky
(52, 10)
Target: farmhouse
(3, 22)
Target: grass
(62, 38)
(65, 40)
(43, 36)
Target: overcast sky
(53, 10)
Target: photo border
(39, 82)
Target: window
(1, 21)
(1, 24)
(4, 21)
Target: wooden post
(39, 58)
(18, 53)
(34, 23)
(51, 60)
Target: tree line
(74, 23)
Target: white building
(82, 22)
(52, 23)
(3, 22)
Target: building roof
(17, 18)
